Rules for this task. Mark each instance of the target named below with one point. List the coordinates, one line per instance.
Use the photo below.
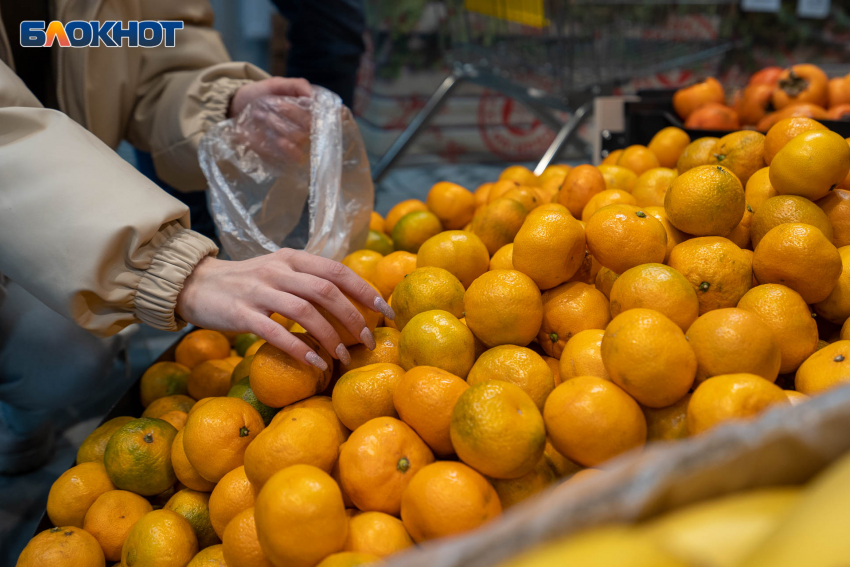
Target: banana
(815, 533)
(722, 532)
(612, 546)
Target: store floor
(23, 498)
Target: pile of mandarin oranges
(543, 326)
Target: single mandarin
(366, 393)
(75, 491)
(787, 209)
(427, 289)
(401, 209)
(696, 153)
(223, 427)
(376, 533)
(605, 198)
(461, 253)
(582, 356)
(790, 253)
(386, 349)
(301, 436)
(194, 506)
(452, 204)
(731, 397)
(836, 205)
(241, 544)
(163, 379)
(549, 248)
(785, 312)
(569, 309)
(836, 306)
(497, 429)
(734, 341)
(138, 456)
(503, 259)
(201, 345)
(391, 269)
(719, 271)
(300, 516)
(658, 287)
(447, 498)
(758, 189)
(378, 461)
(668, 145)
(234, 493)
(651, 186)
(183, 469)
(363, 263)
(624, 236)
(66, 546)
(503, 307)
(618, 177)
(647, 355)
(437, 338)
(742, 153)
(786, 130)
(825, 369)
(424, 399)
(581, 184)
(707, 200)
(810, 165)
(590, 420)
(160, 537)
(498, 223)
(518, 365)
(638, 158)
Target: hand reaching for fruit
(240, 296)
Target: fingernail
(342, 354)
(367, 338)
(384, 308)
(316, 361)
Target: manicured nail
(367, 338)
(342, 354)
(316, 361)
(384, 308)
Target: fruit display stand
(785, 446)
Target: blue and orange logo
(111, 33)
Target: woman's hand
(240, 296)
(273, 117)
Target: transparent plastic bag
(266, 193)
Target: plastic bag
(266, 193)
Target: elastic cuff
(216, 99)
(156, 297)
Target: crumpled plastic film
(289, 172)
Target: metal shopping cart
(555, 56)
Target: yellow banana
(612, 546)
(722, 532)
(814, 534)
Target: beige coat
(80, 228)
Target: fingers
(343, 277)
(324, 293)
(295, 305)
(285, 341)
(288, 87)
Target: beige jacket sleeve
(183, 91)
(80, 228)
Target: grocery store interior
(514, 96)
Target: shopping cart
(555, 56)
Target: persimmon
(801, 83)
(713, 116)
(687, 100)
